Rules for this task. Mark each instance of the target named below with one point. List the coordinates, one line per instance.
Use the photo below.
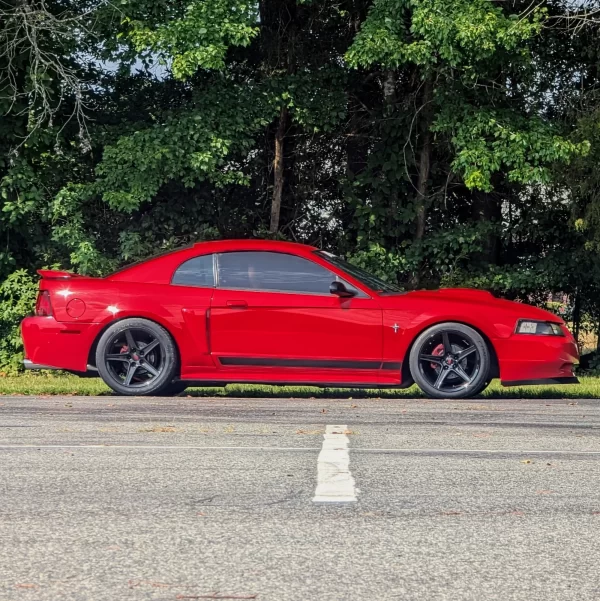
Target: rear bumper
(28, 364)
(51, 344)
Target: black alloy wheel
(137, 357)
(450, 360)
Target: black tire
(450, 361)
(137, 357)
(484, 386)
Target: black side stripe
(317, 363)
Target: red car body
(243, 335)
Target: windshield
(368, 279)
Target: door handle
(237, 304)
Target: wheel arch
(94, 346)
(494, 367)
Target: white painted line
(335, 483)
(482, 451)
(149, 446)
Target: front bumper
(526, 359)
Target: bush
(17, 299)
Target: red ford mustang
(282, 313)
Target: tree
(471, 70)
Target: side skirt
(543, 381)
(219, 383)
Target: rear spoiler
(50, 274)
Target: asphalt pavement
(113, 498)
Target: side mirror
(340, 290)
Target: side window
(195, 272)
(272, 271)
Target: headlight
(540, 328)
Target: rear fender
(84, 300)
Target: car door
(273, 310)
(193, 285)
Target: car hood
(471, 296)
(458, 293)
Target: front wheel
(137, 357)
(450, 361)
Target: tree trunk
(389, 89)
(278, 35)
(356, 149)
(278, 171)
(576, 316)
(487, 209)
(424, 166)
(424, 160)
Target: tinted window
(272, 271)
(195, 272)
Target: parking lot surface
(112, 498)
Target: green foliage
(17, 298)
(460, 43)
(453, 34)
(524, 149)
(447, 254)
(191, 146)
(582, 178)
(198, 38)
(317, 100)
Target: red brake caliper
(438, 351)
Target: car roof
(254, 244)
(159, 269)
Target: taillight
(43, 306)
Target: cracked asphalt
(113, 498)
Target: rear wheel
(137, 357)
(450, 361)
